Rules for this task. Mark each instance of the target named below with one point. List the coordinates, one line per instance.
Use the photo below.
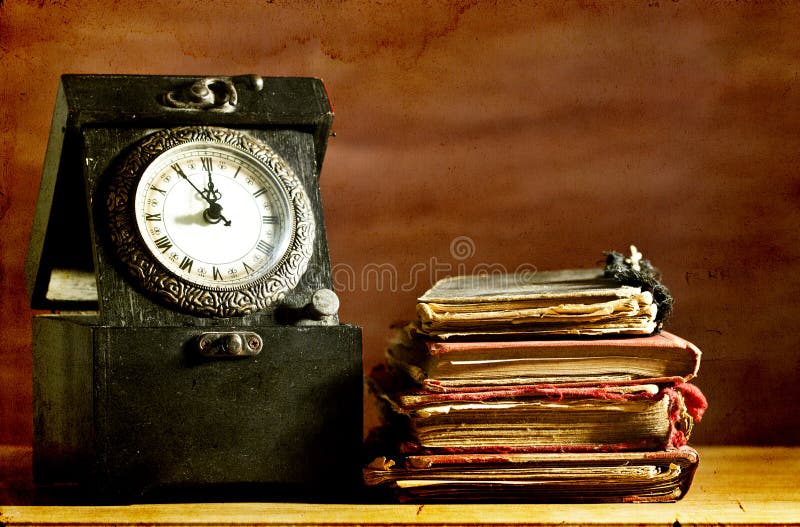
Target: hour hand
(211, 194)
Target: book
(554, 477)
(446, 366)
(547, 386)
(566, 302)
(544, 418)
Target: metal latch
(211, 93)
(224, 344)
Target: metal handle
(226, 344)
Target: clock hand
(210, 193)
(213, 214)
(190, 182)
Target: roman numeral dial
(211, 221)
(214, 215)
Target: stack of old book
(552, 386)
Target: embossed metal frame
(265, 291)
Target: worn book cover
(568, 302)
(625, 297)
(538, 418)
(447, 366)
(555, 477)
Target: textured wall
(488, 133)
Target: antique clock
(194, 347)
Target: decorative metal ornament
(210, 220)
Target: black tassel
(638, 272)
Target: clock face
(213, 215)
(210, 220)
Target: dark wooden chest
(123, 403)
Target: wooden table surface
(733, 485)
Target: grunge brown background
(487, 134)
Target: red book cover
(663, 358)
(538, 418)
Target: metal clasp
(226, 344)
(211, 93)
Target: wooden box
(123, 404)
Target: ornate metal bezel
(265, 291)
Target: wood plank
(733, 486)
